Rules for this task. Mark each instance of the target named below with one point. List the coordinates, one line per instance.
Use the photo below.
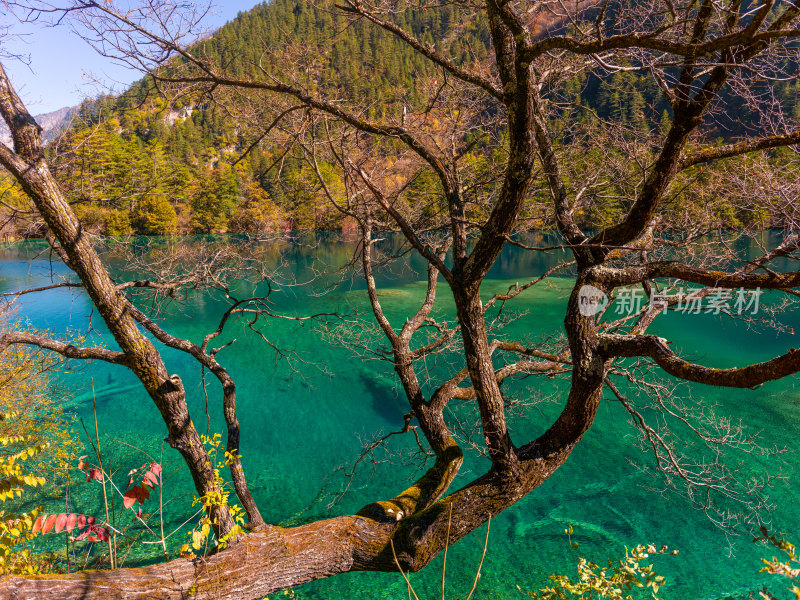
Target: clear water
(301, 433)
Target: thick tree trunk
(264, 561)
(484, 380)
(272, 558)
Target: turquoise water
(300, 433)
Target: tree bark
(271, 558)
(27, 163)
(419, 522)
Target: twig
(397, 562)
(446, 546)
(480, 564)
(103, 472)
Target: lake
(304, 420)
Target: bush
(118, 222)
(154, 215)
(36, 445)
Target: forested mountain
(142, 163)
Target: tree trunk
(28, 165)
(484, 380)
(271, 558)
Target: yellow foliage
(201, 534)
(35, 445)
(37, 419)
(258, 213)
(15, 529)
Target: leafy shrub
(154, 215)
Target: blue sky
(63, 69)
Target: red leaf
(155, 469)
(91, 538)
(94, 474)
(139, 512)
(102, 533)
(37, 526)
(130, 497)
(81, 465)
(61, 520)
(90, 519)
(144, 494)
(82, 536)
(150, 479)
(72, 518)
(48, 524)
(81, 521)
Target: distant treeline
(137, 163)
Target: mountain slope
(138, 163)
(138, 153)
